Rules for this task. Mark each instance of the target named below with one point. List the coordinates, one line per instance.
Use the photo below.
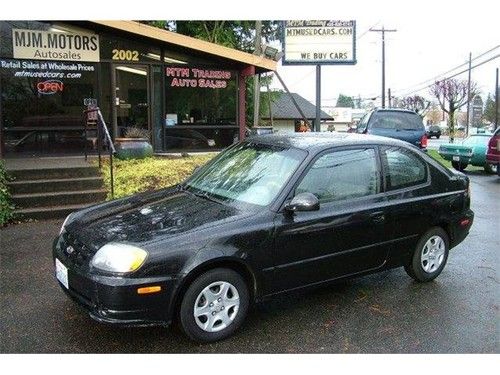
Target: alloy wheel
(433, 253)
(216, 306)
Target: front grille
(76, 251)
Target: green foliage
(134, 176)
(345, 101)
(489, 109)
(6, 206)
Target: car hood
(149, 217)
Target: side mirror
(303, 202)
(361, 129)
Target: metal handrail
(101, 128)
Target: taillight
(423, 141)
(493, 143)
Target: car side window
(341, 175)
(403, 168)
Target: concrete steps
(48, 193)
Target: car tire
(490, 168)
(459, 166)
(430, 255)
(213, 321)
(437, 136)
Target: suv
(395, 123)
(493, 151)
(433, 131)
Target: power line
(448, 71)
(454, 75)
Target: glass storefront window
(200, 108)
(42, 103)
(200, 96)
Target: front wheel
(459, 166)
(214, 305)
(430, 256)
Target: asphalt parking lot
(382, 313)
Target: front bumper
(114, 299)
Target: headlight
(65, 222)
(118, 257)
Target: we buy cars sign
(319, 42)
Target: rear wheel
(459, 166)
(437, 136)
(430, 256)
(214, 305)
(490, 168)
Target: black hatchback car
(268, 215)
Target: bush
(6, 205)
(134, 176)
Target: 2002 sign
(122, 54)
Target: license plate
(62, 273)
(456, 158)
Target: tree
(345, 101)
(234, 34)
(451, 95)
(415, 103)
(434, 114)
(489, 109)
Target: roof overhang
(259, 62)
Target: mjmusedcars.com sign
(47, 45)
(319, 42)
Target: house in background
(286, 117)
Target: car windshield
(476, 140)
(396, 120)
(249, 173)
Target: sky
(431, 39)
(432, 36)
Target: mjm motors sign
(319, 42)
(46, 45)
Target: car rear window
(396, 120)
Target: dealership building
(188, 94)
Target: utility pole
(389, 97)
(256, 84)
(496, 101)
(317, 122)
(269, 99)
(383, 30)
(468, 97)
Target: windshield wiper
(204, 194)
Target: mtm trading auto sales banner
(319, 42)
(46, 45)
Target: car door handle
(377, 217)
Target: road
(434, 143)
(382, 313)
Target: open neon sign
(50, 87)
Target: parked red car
(493, 151)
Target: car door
(408, 192)
(350, 232)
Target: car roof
(324, 140)
(395, 110)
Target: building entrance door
(131, 109)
